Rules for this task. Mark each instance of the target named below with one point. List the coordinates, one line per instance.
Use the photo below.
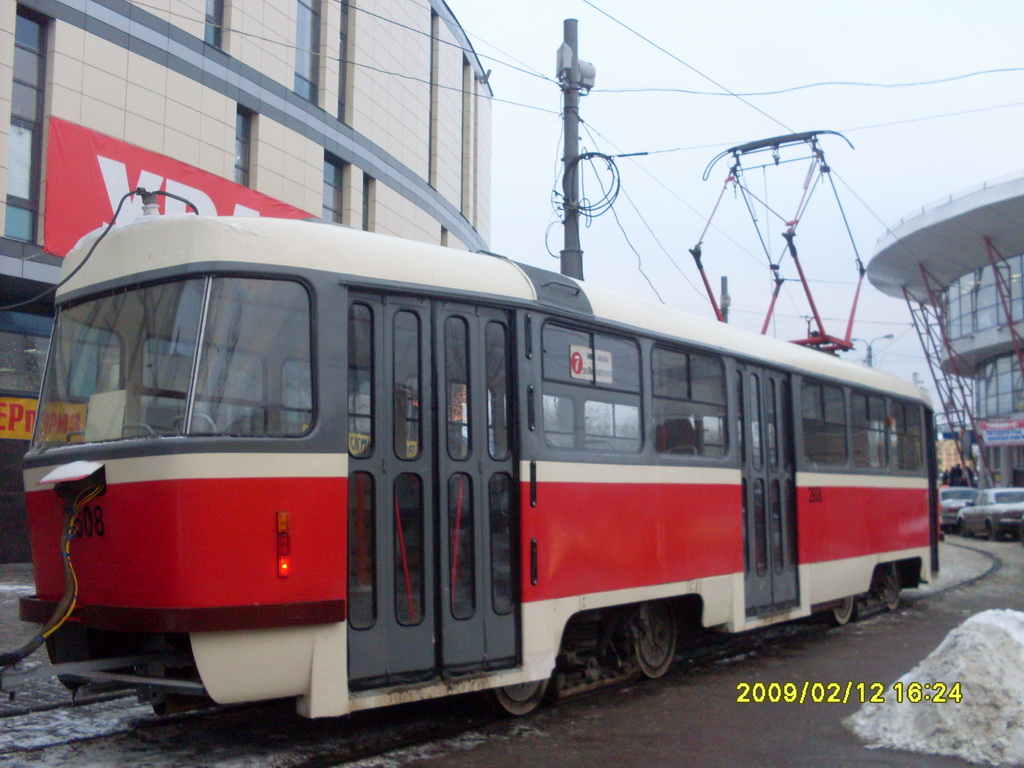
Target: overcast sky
(912, 145)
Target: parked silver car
(951, 501)
(994, 513)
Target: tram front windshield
(204, 356)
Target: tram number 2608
(90, 522)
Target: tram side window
(498, 377)
(591, 390)
(868, 430)
(406, 366)
(906, 437)
(457, 390)
(824, 423)
(689, 403)
(360, 381)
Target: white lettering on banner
(197, 197)
(115, 179)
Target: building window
(243, 144)
(215, 23)
(467, 137)
(999, 388)
(435, 91)
(307, 50)
(334, 186)
(26, 126)
(369, 201)
(343, 64)
(24, 341)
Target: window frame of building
(307, 49)
(466, 153)
(333, 203)
(369, 218)
(344, 64)
(24, 343)
(244, 119)
(435, 94)
(27, 117)
(213, 34)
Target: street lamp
(869, 343)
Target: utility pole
(870, 359)
(726, 300)
(575, 76)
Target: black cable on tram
(148, 198)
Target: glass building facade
(973, 306)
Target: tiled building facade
(371, 113)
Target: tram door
(769, 491)
(431, 496)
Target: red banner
(88, 173)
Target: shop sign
(1003, 432)
(17, 418)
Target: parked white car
(994, 513)
(951, 501)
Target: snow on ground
(985, 655)
(957, 564)
(61, 724)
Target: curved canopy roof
(948, 239)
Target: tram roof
(155, 244)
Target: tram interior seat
(679, 436)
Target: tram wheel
(655, 636)
(518, 700)
(887, 588)
(845, 611)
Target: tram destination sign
(1003, 432)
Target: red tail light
(284, 545)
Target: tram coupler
(121, 671)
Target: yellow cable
(84, 498)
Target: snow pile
(986, 655)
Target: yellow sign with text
(17, 418)
(64, 422)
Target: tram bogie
(356, 470)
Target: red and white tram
(357, 470)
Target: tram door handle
(533, 562)
(533, 483)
